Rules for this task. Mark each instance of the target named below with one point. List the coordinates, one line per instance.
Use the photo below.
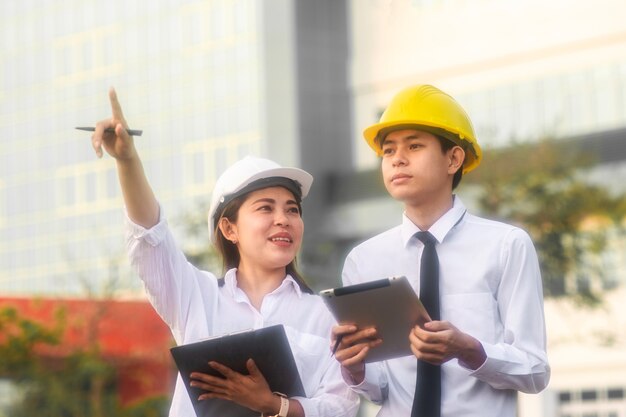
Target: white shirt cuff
(153, 236)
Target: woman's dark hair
(446, 145)
(229, 252)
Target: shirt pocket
(311, 353)
(472, 313)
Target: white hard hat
(250, 174)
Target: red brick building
(129, 334)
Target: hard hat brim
(375, 134)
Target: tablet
(268, 347)
(389, 304)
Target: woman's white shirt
(195, 307)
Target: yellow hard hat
(427, 108)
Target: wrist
(356, 373)
(474, 356)
(271, 405)
(277, 407)
(129, 157)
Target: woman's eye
(387, 151)
(294, 210)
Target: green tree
(543, 188)
(80, 383)
(196, 245)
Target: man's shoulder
(491, 227)
(381, 239)
(487, 222)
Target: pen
(337, 343)
(131, 132)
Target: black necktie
(427, 400)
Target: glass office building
(201, 78)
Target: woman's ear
(456, 157)
(228, 229)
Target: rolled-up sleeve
(173, 285)
(333, 397)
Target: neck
(425, 214)
(257, 282)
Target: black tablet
(389, 304)
(268, 347)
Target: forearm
(332, 397)
(372, 386)
(473, 356)
(141, 204)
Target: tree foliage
(76, 384)
(196, 245)
(543, 188)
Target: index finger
(222, 369)
(342, 329)
(364, 335)
(116, 108)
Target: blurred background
(210, 81)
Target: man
(487, 339)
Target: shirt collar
(288, 283)
(440, 228)
(230, 282)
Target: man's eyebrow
(404, 138)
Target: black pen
(337, 343)
(131, 132)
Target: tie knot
(426, 238)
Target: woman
(255, 221)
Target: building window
(68, 192)
(615, 394)
(592, 402)
(198, 168)
(589, 395)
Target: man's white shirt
(490, 288)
